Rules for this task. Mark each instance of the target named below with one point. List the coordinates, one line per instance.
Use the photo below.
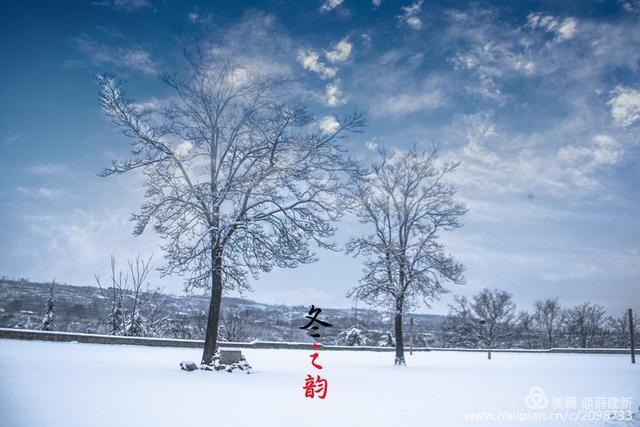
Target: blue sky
(540, 101)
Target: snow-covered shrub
(387, 340)
(426, 339)
(352, 337)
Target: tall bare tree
(237, 181)
(113, 297)
(585, 324)
(549, 320)
(407, 203)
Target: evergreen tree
(47, 321)
(116, 321)
(135, 328)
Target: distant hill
(83, 309)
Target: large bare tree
(585, 324)
(238, 179)
(488, 320)
(549, 320)
(407, 203)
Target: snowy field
(65, 384)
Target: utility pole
(291, 324)
(411, 336)
(631, 332)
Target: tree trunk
(213, 319)
(399, 340)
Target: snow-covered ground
(65, 384)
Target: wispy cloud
(10, 139)
(340, 51)
(328, 124)
(329, 5)
(123, 5)
(625, 106)
(333, 94)
(129, 56)
(406, 97)
(564, 29)
(193, 17)
(46, 168)
(499, 163)
(310, 60)
(48, 193)
(410, 14)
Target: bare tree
(408, 205)
(549, 320)
(113, 297)
(618, 330)
(487, 320)
(586, 324)
(237, 181)
(133, 310)
(235, 326)
(526, 334)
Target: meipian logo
(536, 399)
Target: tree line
(490, 320)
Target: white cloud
(193, 17)
(328, 124)
(329, 5)
(496, 164)
(407, 103)
(414, 22)
(567, 28)
(410, 13)
(310, 60)
(47, 193)
(333, 94)
(631, 6)
(490, 53)
(124, 5)
(184, 148)
(602, 151)
(10, 139)
(46, 168)
(625, 106)
(564, 29)
(428, 95)
(376, 3)
(371, 144)
(131, 57)
(340, 52)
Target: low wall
(25, 334)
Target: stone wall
(24, 334)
